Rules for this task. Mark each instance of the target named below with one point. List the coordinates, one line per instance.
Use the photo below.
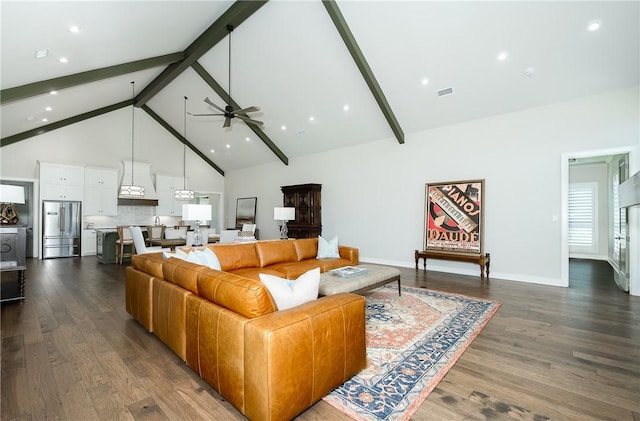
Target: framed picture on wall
(246, 211)
(454, 216)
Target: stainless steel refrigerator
(61, 228)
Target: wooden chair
(155, 232)
(124, 240)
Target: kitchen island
(106, 244)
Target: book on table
(348, 271)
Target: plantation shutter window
(582, 217)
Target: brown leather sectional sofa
(270, 364)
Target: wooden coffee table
(376, 276)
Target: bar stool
(155, 232)
(124, 240)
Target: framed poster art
(454, 217)
(246, 211)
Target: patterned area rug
(412, 341)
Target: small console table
(18, 272)
(484, 260)
(12, 262)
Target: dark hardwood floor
(71, 352)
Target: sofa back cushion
(150, 263)
(182, 273)
(245, 296)
(306, 248)
(278, 251)
(236, 256)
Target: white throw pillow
(288, 293)
(208, 258)
(204, 257)
(328, 249)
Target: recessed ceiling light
(213, 151)
(53, 93)
(48, 109)
(42, 53)
(283, 127)
(44, 120)
(346, 107)
(502, 56)
(247, 139)
(63, 60)
(30, 118)
(425, 81)
(311, 118)
(594, 25)
(228, 146)
(74, 29)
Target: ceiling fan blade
(251, 109)
(250, 120)
(227, 122)
(200, 115)
(208, 101)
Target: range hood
(141, 172)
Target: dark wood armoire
(306, 199)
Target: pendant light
(132, 190)
(184, 194)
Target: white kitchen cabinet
(166, 187)
(88, 242)
(100, 192)
(61, 182)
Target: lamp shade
(11, 194)
(196, 212)
(284, 214)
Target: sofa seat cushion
(150, 263)
(254, 273)
(329, 264)
(236, 256)
(292, 270)
(273, 252)
(248, 297)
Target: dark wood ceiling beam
(181, 138)
(219, 90)
(63, 123)
(56, 84)
(365, 70)
(234, 15)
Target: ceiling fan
(228, 112)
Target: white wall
(599, 174)
(373, 194)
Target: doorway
(611, 157)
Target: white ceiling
(289, 59)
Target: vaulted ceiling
(325, 74)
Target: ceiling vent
(445, 92)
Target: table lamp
(283, 215)
(9, 196)
(196, 213)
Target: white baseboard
(473, 270)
